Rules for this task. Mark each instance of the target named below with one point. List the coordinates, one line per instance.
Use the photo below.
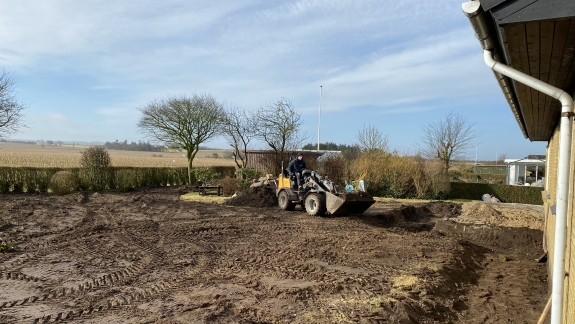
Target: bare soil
(149, 257)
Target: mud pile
(444, 209)
(477, 212)
(381, 214)
(255, 197)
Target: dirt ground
(149, 257)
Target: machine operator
(295, 167)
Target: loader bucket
(348, 203)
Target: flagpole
(319, 117)
(475, 154)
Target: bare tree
(11, 110)
(372, 140)
(239, 129)
(182, 122)
(278, 125)
(448, 138)
(501, 159)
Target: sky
(84, 67)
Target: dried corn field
(66, 156)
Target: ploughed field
(150, 257)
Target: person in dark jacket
(295, 167)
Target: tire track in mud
(280, 262)
(89, 246)
(123, 299)
(105, 281)
(276, 261)
(147, 236)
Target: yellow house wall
(568, 305)
(551, 189)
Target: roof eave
(490, 39)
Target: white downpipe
(562, 175)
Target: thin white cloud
(372, 57)
(58, 117)
(36, 30)
(116, 112)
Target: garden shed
(264, 160)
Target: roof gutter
(565, 139)
(476, 15)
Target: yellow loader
(318, 195)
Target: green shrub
(205, 175)
(63, 183)
(248, 173)
(454, 174)
(244, 184)
(126, 179)
(42, 178)
(96, 164)
(245, 177)
(224, 171)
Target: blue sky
(84, 67)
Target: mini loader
(318, 195)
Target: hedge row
(505, 193)
(125, 178)
(122, 178)
(475, 177)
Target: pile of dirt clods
(255, 197)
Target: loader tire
(315, 204)
(284, 202)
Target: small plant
(248, 173)
(455, 174)
(503, 258)
(205, 175)
(244, 184)
(245, 177)
(63, 183)
(7, 246)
